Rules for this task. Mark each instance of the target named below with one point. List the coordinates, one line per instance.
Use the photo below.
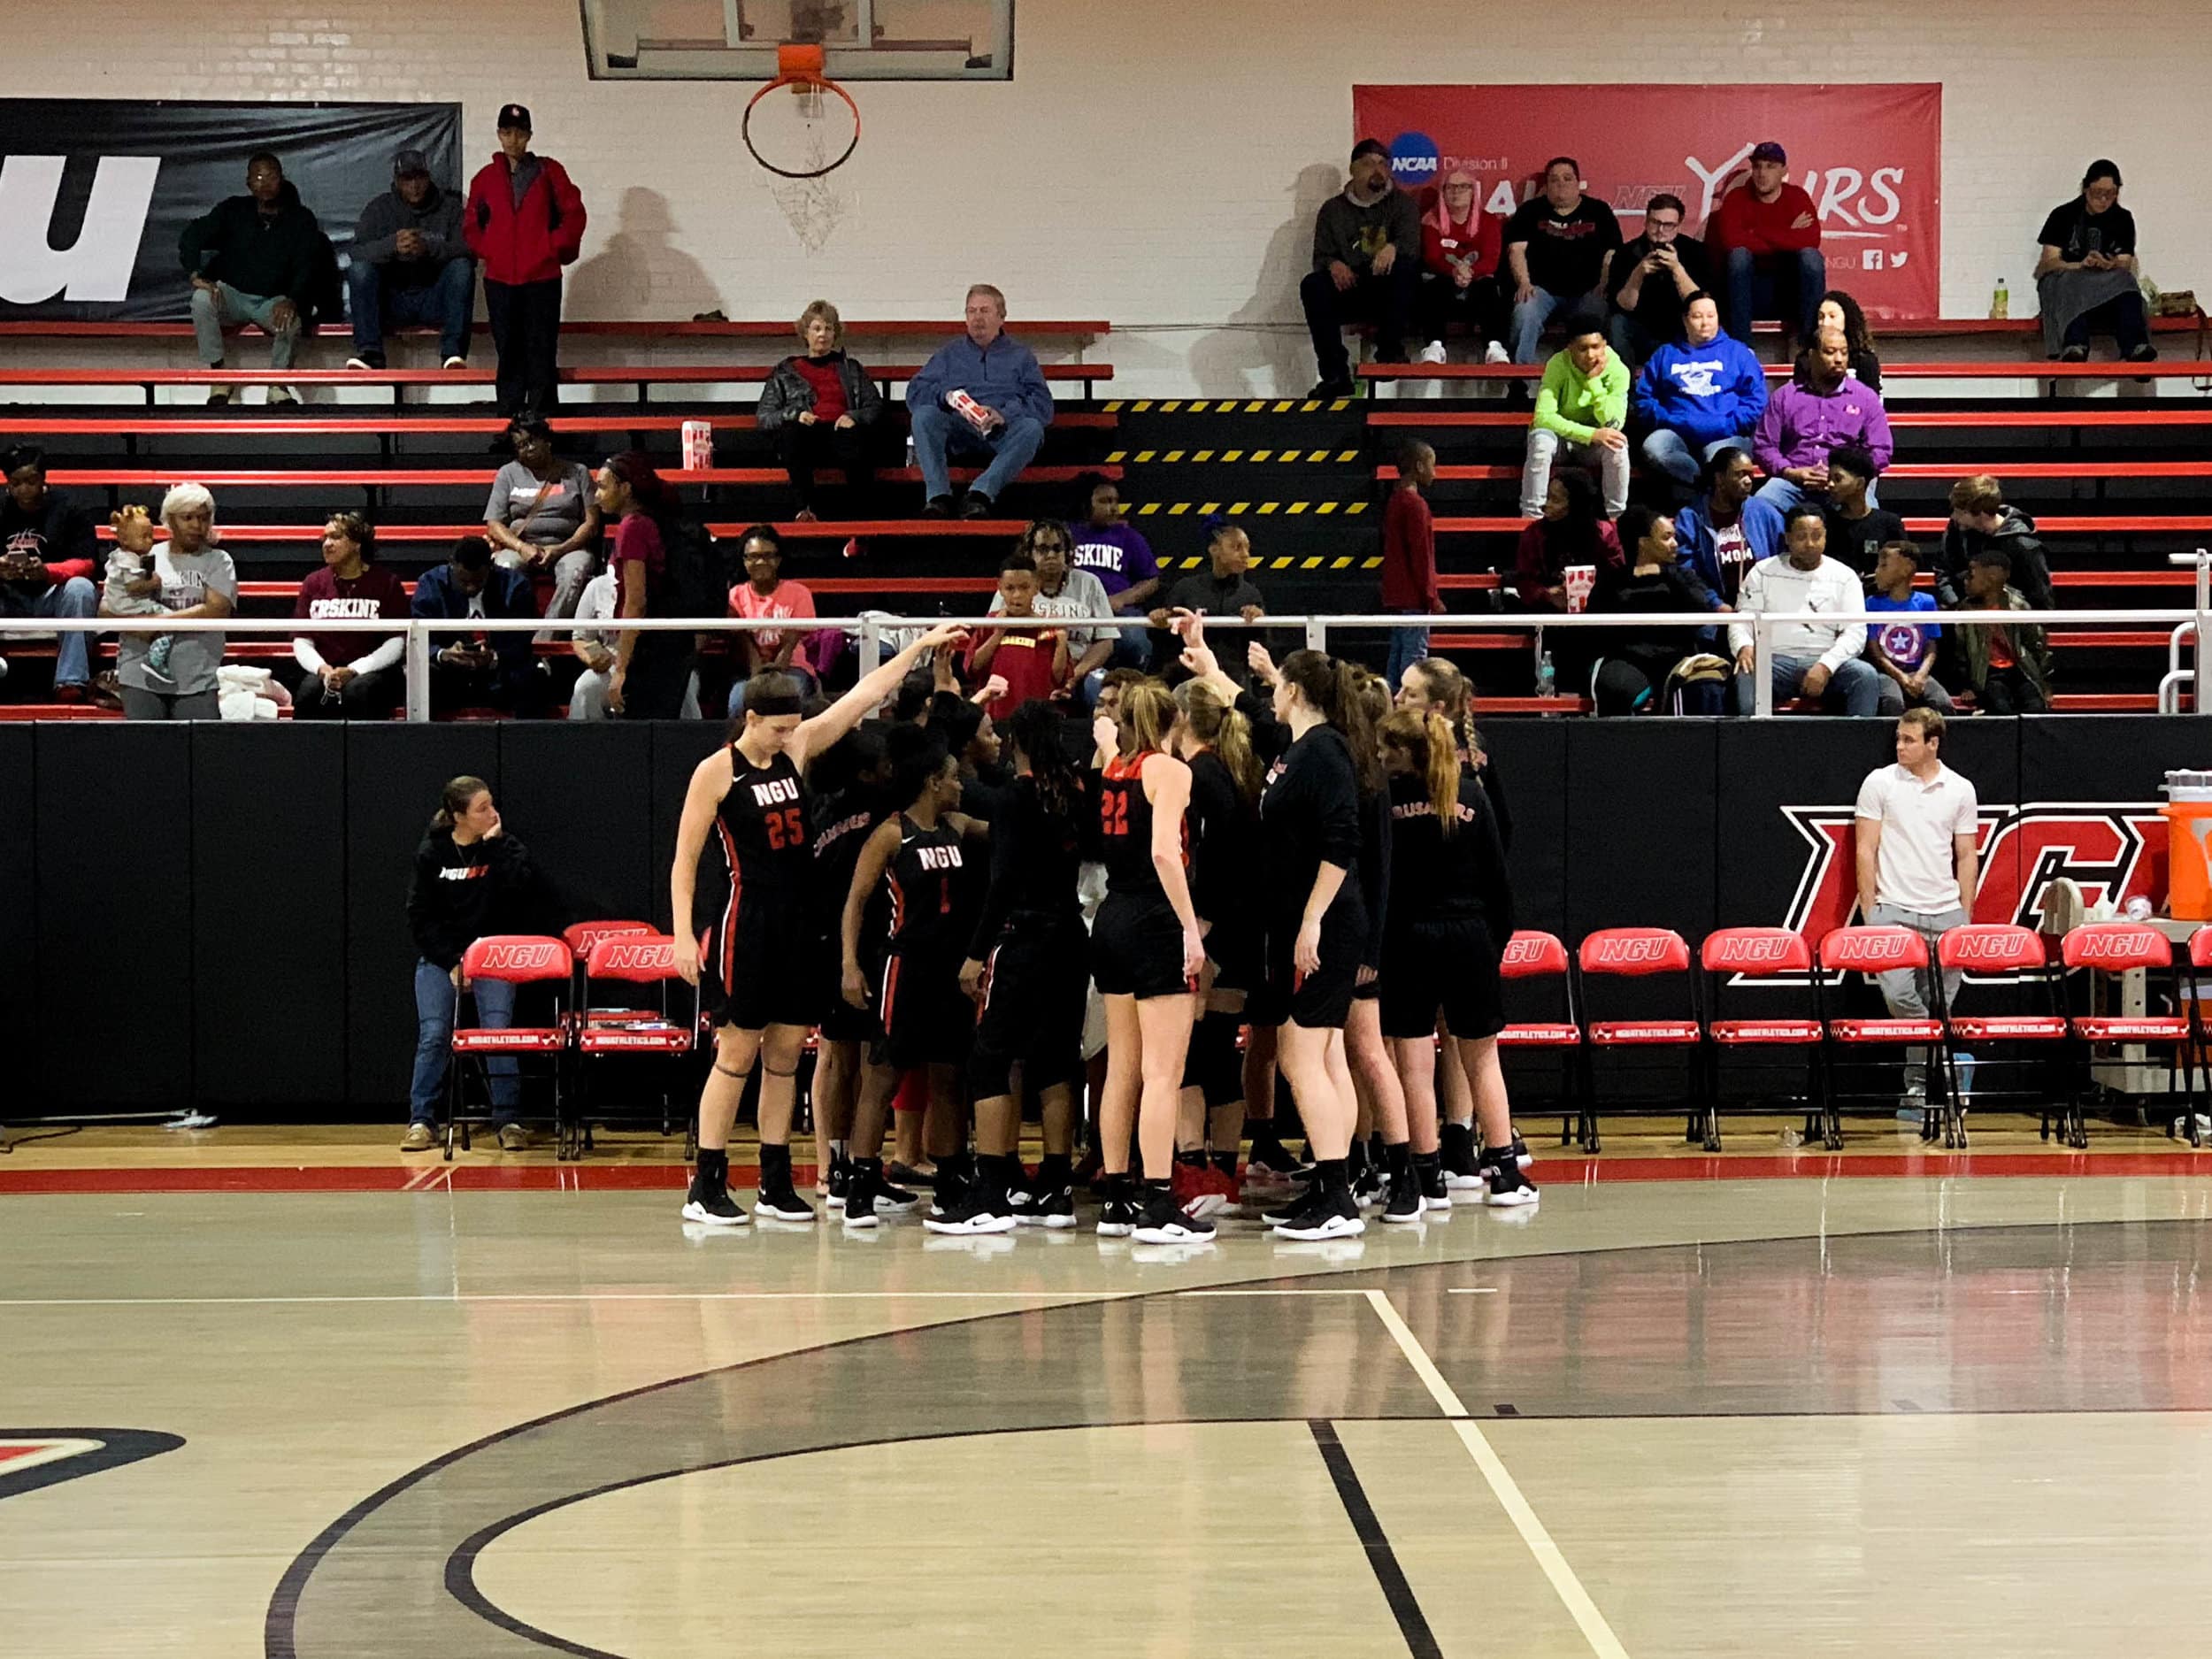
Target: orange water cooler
(2188, 815)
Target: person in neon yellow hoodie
(1581, 407)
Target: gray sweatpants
(1911, 991)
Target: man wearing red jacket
(1768, 238)
(523, 222)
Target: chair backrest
(1872, 949)
(1991, 948)
(2117, 947)
(639, 958)
(1633, 950)
(1756, 953)
(582, 936)
(519, 958)
(2200, 948)
(1530, 955)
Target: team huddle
(1293, 863)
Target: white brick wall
(1157, 164)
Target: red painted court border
(465, 1175)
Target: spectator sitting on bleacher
(1654, 280)
(1729, 529)
(1222, 589)
(1857, 529)
(1903, 652)
(594, 648)
(345, 675)
(48, 548)
(1838, 309)
(1697, 397)
(258, 258)
(486, 669)
(1581, 411)
(1070, 594)
(1767, 235)
(1559, 247)
(1461, 246)
(823, 406)
(1366, 267)
(765, 593)
(1823, 662)
(410, 264)
(2007, 667)
(523, 222)
(543, 512)
(1823, 408)
(2085, 276)
(1980, 518)
(982, 394)
(188, 577)
(1570, 532)
(1115, 552)
(1642, 665)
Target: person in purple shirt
(1823, 408)
(1007, 408)
(1120, 557)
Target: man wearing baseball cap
(523, 222)
(1767, 238)
(1366, 265)
(410, 265)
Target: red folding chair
(665, 1027)
(1530, 957)
(1633, 953)
(1872, 950)
(2119, 947)
(582, 936)
(1996, 947)
(522, 960)
(1755, 954)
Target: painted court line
(1591, 1623)
(610, 1295)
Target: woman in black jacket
(470, 881)
(821, 406)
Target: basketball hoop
(794, 139)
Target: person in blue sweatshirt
(1698, 397)
(1728, 529)
(1009, 407)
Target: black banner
(114, 183)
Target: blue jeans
(1790, 286)
(1670, 452)
(1854, 688)
(939, 434)
(76, 597)
(1408, 646)
(1631, 342)
(1527, 327)
(447, 304)
(1781, 495)
(435, 1000)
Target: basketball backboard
(860, 40)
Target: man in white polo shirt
(1919, 860)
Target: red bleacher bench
(757, 329)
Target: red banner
(1870, 157)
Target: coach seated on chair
(484, 670)
(983, 395)
(410, 264)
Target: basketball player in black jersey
(1442, 956)
(1146, 954)
(1027, 966)
(851, 779)
(752, 965)
(917, 858)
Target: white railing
(874, 629)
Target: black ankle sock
(713, 1173)
(1264, 1143)
(1424, 1162)
(1157, 1189)
(1398, 1159)
(775, 1168)
(1117, 1187)
(1333, 1178)
(1195, 1160)
(1355, 1159)
(1225, 1162)
(1055, 1169)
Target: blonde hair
(1146, 713)
(1425, 738)
(1217, 723)
(185, 497)
(1978, 493)
(827, 312)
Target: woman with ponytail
(1147, 954)
(1442, 950)
(652, 667)
(1215, 741)
(1381, 1102)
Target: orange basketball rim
(799, 69)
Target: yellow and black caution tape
(1232, 457)
(1342, 562)
(1226, 405)
(1240, 509)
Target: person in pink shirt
(764, 593)
(1460, 249)
(1767, 236)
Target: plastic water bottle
(2001, 302)
(1546, 677)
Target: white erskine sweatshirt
(1775, 584)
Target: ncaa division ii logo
(95, 266)
(1413, 160)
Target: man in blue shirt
(983, 395)
(1730, 529)
(1903, 647)
(470, 671)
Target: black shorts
(1036, 982)
(927, 1018)
(841, 1022)
(1233, 947)
(1446, 968)
(1321, 1000)
(1137, 950)
(757, 966)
